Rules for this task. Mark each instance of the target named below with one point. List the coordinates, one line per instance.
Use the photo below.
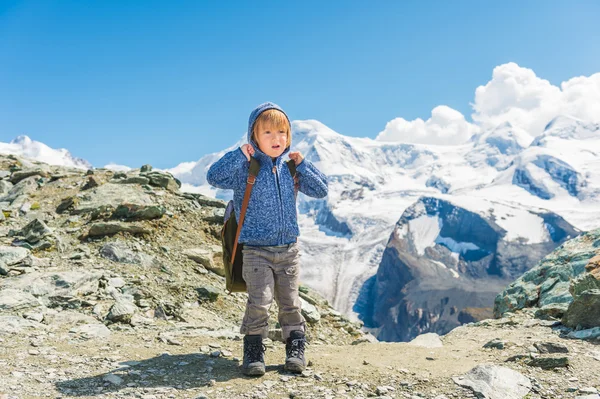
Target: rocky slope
(110, 287)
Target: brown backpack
(230, 232)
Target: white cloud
(446, 126)
(516, 95)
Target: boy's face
(271, 140)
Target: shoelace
(254, 352)
(297, 347)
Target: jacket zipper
(280, 240)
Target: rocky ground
(111, 286)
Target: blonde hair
(273, 118)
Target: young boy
(269, 232)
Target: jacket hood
(253, 117)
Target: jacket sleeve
(312, 182)
(224, 173)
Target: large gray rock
(118, 251)
(16, 324)
(162, 179)
(549, 281)
(204, 256)
(590, 333)
(208, 293)
(107, 197)
(139, 212)
(495, 382)
(33, 234)
(584, 311)
(12, 255)
(50, 286)
(122, 311)
(310, 312)
(90, 331)
(15, 300)
(19, 175)
(21, 190)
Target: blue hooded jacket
(271, 217)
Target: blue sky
(163, 82)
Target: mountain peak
(569, 128)
(312, 127)
(22, 140)
(561, 121)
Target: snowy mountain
(502, 173)
(24, 146)
(447, 255)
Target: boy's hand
(297, 157)
(248, 150)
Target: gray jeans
(272, 273)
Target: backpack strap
(252, 173)
(292, 167)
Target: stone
(549, 363)
(21, 190)
(588, 391)
(140, 180)
(594, 263)
(50, 288)
(495, 382)
(91, 182)
(5, 187)
(90, 331)
(584, 282)
(205, 258)
(163, 179)
(111, 228)
(12, 255)
(118, 251)
(549, 281)
(113, 379)
(551, 347)
(66, 203)
(122, 311)
(19, 175)
(584, 311)
(139, 212)
(590, 333)
(12, 300)
(495, 344)
(15, 324)
(310, 312)
(428, 340)
(214, 215)
(116, 282)
(145, 168)
(33, 232)
(108, 197)
(208, 293)
(552, 311)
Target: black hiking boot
(294, 352)
(254, 355)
